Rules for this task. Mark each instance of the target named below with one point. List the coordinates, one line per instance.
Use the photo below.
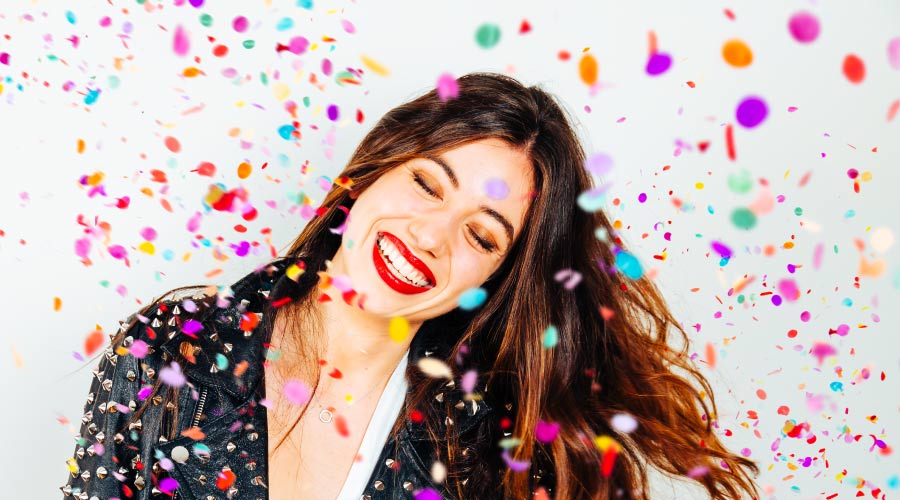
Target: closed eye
(489, 247)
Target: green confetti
(249, 44)
(551, 337)
(488, 35)
(798, 211)
(741, 182)
(206, 20)
(743, 218)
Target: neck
(358, 342)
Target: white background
(635, 118)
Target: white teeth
(401, 265)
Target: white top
(386, 413)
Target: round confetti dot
(804, 316)
(804, 27)
(244, 170)
(792, 334)
(659, 63)
(776, 299)
(599, 164)
(751, 112)
(398, 329)
(172, 144)
(746, 451)
(737, 53)
(220, 51)
(240, 24)
(332, 112)
(893, 52)
(642, 197)
(248, 44)
(105, 21)
(447, 87)
(854, 68)
(843, 330)
(761, 394)
(284, 24)
(740, 182)
(743, 218)
(487, 35)
(496, 189)
(180, 454)
(623, 422)
(472, 298)
(206, 20)
(629, 265)
(298, 45)
(296, 392)
(588, 69)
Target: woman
(285, 385)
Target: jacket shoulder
(108, 458)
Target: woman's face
(478, 197)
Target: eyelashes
(481, 242)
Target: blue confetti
(629, 265)
(472, 298)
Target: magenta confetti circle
(240, 24)
(751, 112)
(658, 63)
(804, 27)
(298, 45)
(804, 316)
(196, 3)
(776, 299)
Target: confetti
(398, 329)
(487, 35)
(447, 87)
(737, 53)
(804, 27)
(434, 368)
(893, 52)
(546, 432)
(854, 68)
(588, 69)
(172, 376)
(751, 112)
(296, 392)
(472, 298)
(181, 43)
(624, 423)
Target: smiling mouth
(416, 278)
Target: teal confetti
(206, 20)
(551, 337)
(70, 16)
(850, 214)
(472, 298)
(285, 131)
(837, 386)
(284, 24)
(743, 218)
(629, 265)
(91, 96)
(249, 44)
(305, 4)
(592, 200)
(221, 361)
(488, 35)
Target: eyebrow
(454, 181)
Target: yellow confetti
(398, 329)
(281, 90)
(375, 66)
(147, 247)
(605, 443)
(294, 271)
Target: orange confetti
(166, 205)
(172, 144)
(158, 175)
(710, 355)
(20, 363)
(194, 433)
(192, 72)
(249, 320)
(80, 146)
(587, 69)
(240, 368)
(761, 394)
(57, 303)
(737, 53)
(244, 170)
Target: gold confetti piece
(375, 66)
(398, 329)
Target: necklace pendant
(326, 415)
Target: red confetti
(93, 342)
(335, 373)
(341, 424)
(172, 144)
(524, 27)
(854, 68)
(225, 479)
(729, 141)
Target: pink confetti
(788, 289)
(138, 349)
(821, 349)
(468, 381)
(447, 87)
(817, 255)
(893, 52)
(804, 27)
(546, 432)
(296, 392)
(118, 251)
(348, 26)
(182, 44)
(515, 465)
(194, 222)
(171, 375)
(145, 392)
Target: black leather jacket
(137, 462)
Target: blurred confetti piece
(623, 422)
(194, 433)
(434, 368)
(737, 53)
(296, 392)
(181, 44)
(171, 375)
(658, 63)
(711, 354)
(340, 424)
(854, 68)
(93, 341)
(172, 144)
(881, 239)
(588, 69)
(469, 379)
(20, 363)
(447, 87)
(57, 303)
(546, 432)
(893, 52)
(751, 111)
(804, 27)
(821, 350)
(571, 277)
(398, 329)
(515, 465)
(376, 67)
(487, 35)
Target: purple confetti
(751, 112)
(721, 249)
(496, 189)
(191, 327)
(658, 63)
(171, 375)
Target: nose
(430, 234)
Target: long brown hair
(613, 352)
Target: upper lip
(409, 256)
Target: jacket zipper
(196, 420)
